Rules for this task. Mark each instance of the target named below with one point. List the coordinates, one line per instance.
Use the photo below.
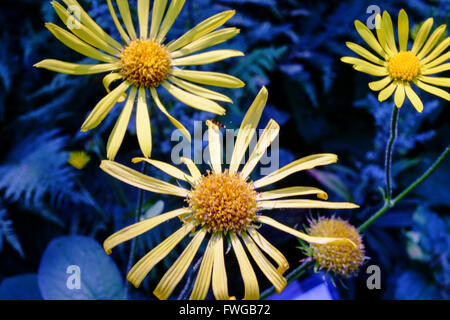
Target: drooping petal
(143, 14)
(380, 84)
(199, 91)
(414, 98)
(124, 9)
(159, 7)
(193, 100)
(291, 192)
(209, 78)
(119, 27)
(247, 129)
(75, 68)
(139, 228)
(143, 127)
(171, 15)
(203, 280)
(275, 277)
(433, 90)
(206, 41)
(110, 78)
(219, 274)
(207, 57)
(422, 35)
(304, 163)
(268, 248)
(247, 272)
(139, 180)
(267, 137)
(146, 264)
(431, 42)
(79, 46)
(201, 29)
(215, 146)
(403, 30)
(167, 168)
(399, 96)
(304, 204)
(116, 137)
(176, 272)
(104, 107)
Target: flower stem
(140, 202)
(412, 186)
(389, 151)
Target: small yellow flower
(401, 68)
(223, 204)
(79, 159)
(144, 63)
(340, 257)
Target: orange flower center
(404, 66)
(223, 202)
(145, 63)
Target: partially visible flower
(79, 159)
(224, 204)
(403, 67)
(144, 62)
(340, 257)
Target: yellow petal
(269, 134)
(203, 280)
(143, 14)
(143, 127)
(304, 204)
(199, 91)
(159, 7)
(380, 84)
(201, 29)
(437, 81)
(433, 90)
(110, 78)
(176, 272)
(167, 168)
(116, 137)
(86, 20)
(193, 100)
(247, 272)
(206, 41)
(387, 92)
(268, 248)
(304, 163)
(431, 61)
(207, 57)
(319, 240)
(209, 78)
(431, 42)
(124, 9)
(146, 264)
(139, 180)
(403, 30)
(77, 45)
(378, 71)
(171, 15)
(438, 69)
(365, 53)
(368, 36)
(381, 38)
(74, 68)
(192, 167)
(119, 27)
(104, 107)
(247, 129)
(388, 29)
(414, 98)
(219, 274)
(139, 228)
(291, 192)
(174, 121)
(277, 280)
(215, 146)
(399, 96)
(422, 35)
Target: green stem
(140, 202)
(412, 186)
(389, 150)
(295, 274)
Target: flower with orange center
(403, 67)
(144, 63)
(224, 204)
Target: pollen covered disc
(145, 63)
(404, 66)
(223, 202)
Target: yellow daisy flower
(223, 204)
(144, 62)
(400, 68)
